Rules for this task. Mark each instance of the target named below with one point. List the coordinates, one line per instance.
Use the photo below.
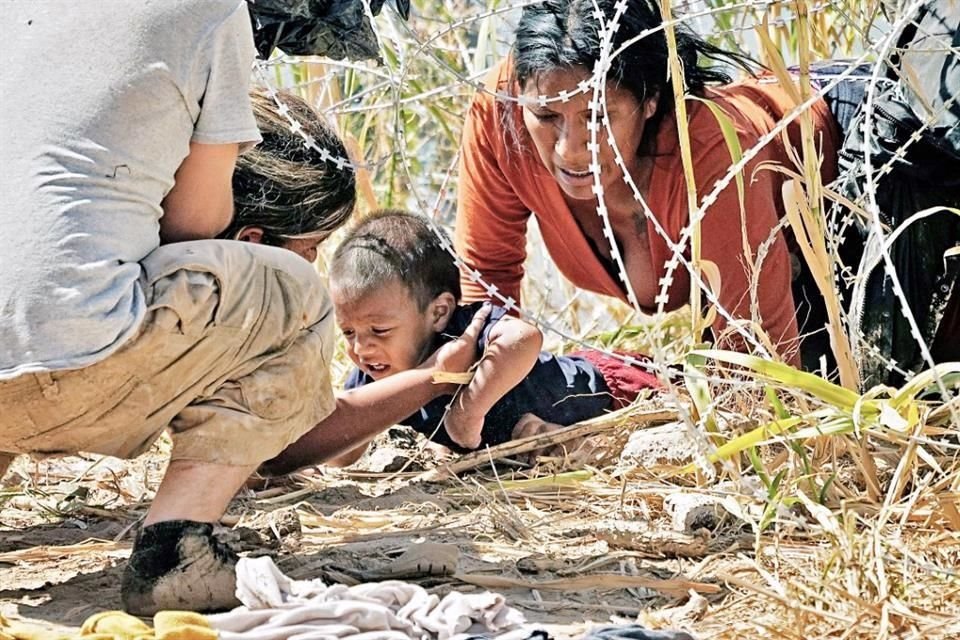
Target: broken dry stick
(449, 377)
(532, 443)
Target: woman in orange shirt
(522, 156)
(527, 150)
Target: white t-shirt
(98, 103)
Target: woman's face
(560, 134)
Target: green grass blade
(828, 392)
(749, 439)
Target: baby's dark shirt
(559, 389)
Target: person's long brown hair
(284, 187)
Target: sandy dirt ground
(68, 524)
(585, 546)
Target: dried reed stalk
(533, 443)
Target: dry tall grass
(846, 501)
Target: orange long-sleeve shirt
(502, 183)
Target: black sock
(155, 550)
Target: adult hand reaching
(460, 354)
(362, 413)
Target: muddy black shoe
(180, 565)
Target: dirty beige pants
(232, 356)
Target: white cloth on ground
(277, 607)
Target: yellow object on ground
(25, 631)
(117, 625)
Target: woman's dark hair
(562, 34)
(284, 187)
(393, 245)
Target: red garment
(502, 183)
(624, 381)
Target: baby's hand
(530, 425)
(462, 427)
(573, 452)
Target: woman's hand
(460, 354)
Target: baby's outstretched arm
(512, 349)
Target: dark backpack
(914, 132)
